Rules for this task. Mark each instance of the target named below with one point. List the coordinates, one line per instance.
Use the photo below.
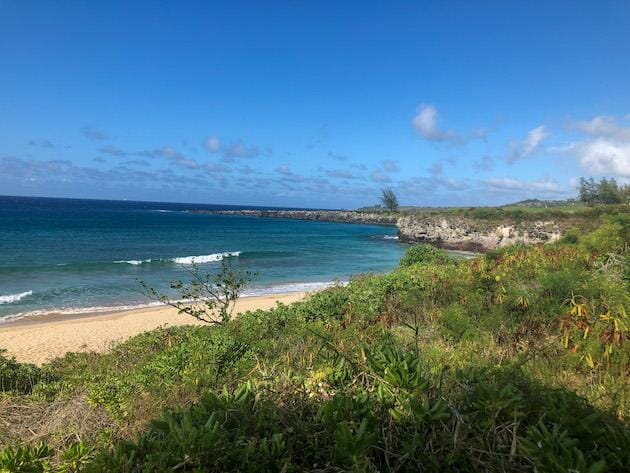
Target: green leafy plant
(423, 254)
(25, 459)
(209, 298)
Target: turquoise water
(67, 255)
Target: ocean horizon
(71, 256)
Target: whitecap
(9, 298)
(214, 257)
(292, 287)
(134, 262)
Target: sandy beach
(43, 339)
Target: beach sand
(41, 339)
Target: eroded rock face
(459, 233)
(444, 231)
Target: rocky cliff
(442, 230)
(461, 233)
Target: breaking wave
(10, 298)
(252, 292)
(205, 258)
(134, 262)
(211, 258)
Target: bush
(570, 237)
(18, 377)
(423, 254)
(325, 305)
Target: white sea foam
(205, 258)
(134, 262)
(211, 258)
(292, 287)
(9, 298)
(76, 311)
(390, 237)
(252, 292)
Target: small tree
(588, 191)
(389, 199)
(606, 191)
(210, 298)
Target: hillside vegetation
(515, 361)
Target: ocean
(78, 256)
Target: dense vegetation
(517, 361)
(604, 191)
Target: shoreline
(50, 336)
(72, 313)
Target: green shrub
(423, 254)
(571, 236)
(325, 305)
(25, 459)
(457, 324)
(19, 377)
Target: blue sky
(315, 104)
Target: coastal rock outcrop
(460, 233)
(340, 216)
(451, 232)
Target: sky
(313, 104)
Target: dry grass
(58, 423)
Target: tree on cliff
(389, 199)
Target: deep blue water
(68, 254)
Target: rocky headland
(339, 216)
(462, 233)
(452, 232)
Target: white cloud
(340, 173)
(176, 157)
(485, 163)
(378, 176)
(212, 144)
(426, 124)
(389, 165)
(548, 186)
(605, 150)
(529, 145)
(604, 127)
(93, 134)
(288, 174)
(602, 157)
(436, 168)
(336, 156)
(284, 169)
(240, 150)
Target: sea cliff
(461, 233)
(442, 230)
